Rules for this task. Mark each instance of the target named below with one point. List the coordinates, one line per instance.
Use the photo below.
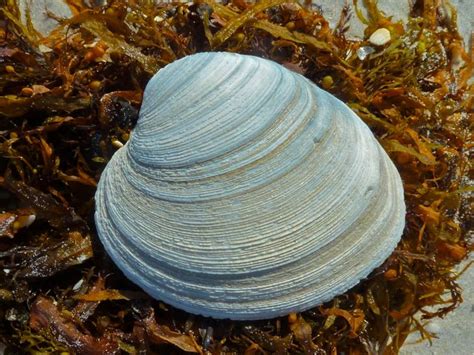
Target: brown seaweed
(69, 100)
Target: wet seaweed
(68, 101)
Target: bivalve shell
(246, 192)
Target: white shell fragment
(246, 192)
(364, 52)
(380, 37)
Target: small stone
(380, 37)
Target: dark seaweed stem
(68, 101)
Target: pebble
(380, 37)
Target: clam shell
(246, 192)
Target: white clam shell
(246, 192)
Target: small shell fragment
(44, 49)
(365, 51)
(380, 37)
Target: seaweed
(69, 100)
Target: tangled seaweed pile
(69, 101)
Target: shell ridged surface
(246, 192)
